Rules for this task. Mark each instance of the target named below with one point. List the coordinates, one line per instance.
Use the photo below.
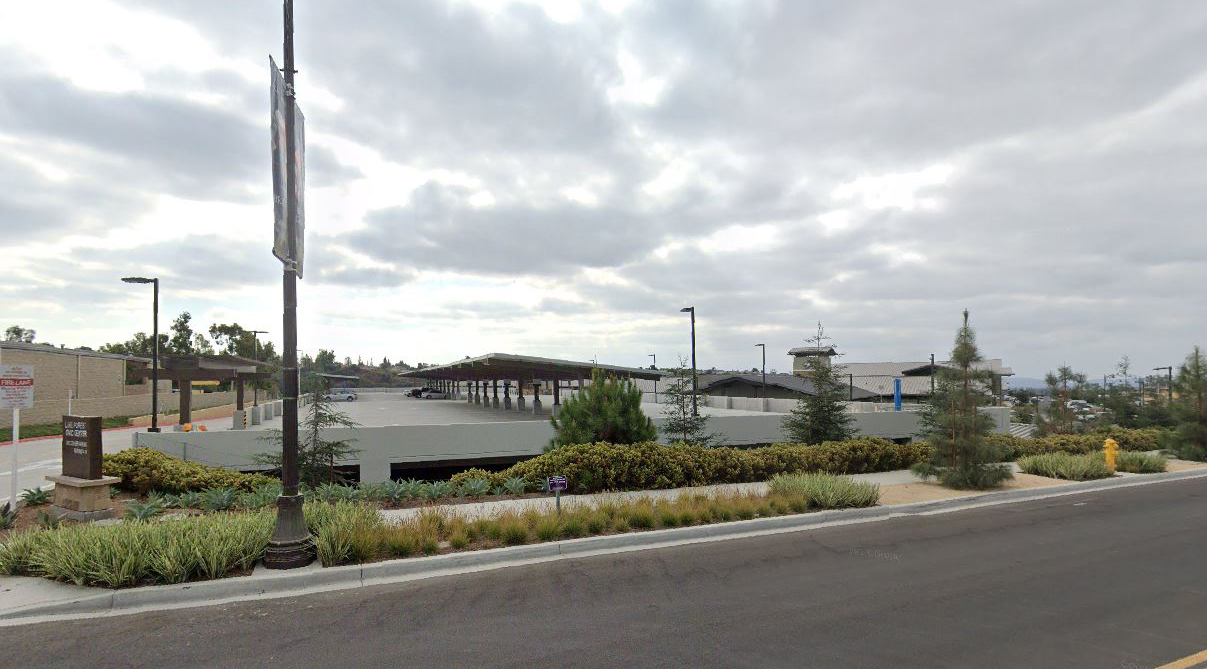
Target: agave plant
(254, 500)
(143, 510)
(377, 492)
(190, 500)
(412, 488)
(218, 499)
(475, 487)
(443, 489)
(516, 485)
(168, 500)
(8, 516)
(49, 521)
(35, 497)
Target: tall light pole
(695, 382)
(255, 355)
(654, 364)
(291, 545)
(764, 347)
(154, 281)
(1169, 369)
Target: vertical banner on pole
(896, 394)
(16, 393)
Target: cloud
(478, 169)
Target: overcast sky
(560, 180)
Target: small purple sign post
(557, 484)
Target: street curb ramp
(268, 584)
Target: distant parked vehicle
(435, 395)
(417, 392)
(340, 395)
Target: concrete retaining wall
(380, 446)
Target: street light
(764, 347)
(154, 345)
(655, 366)
(695, 383)
(1167, 368)
(255, 355)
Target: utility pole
(932, 373)
(290, 546)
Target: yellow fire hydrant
(1110, 448)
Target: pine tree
(608, 410)
(1190, 408)
(682, 425)
(316, 456)
(822, 416)
(956, 430)
(1059, 418)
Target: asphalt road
(1108, 579)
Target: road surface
(1107, 579)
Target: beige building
(97, 383)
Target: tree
(822, 416)
(681, 424)
(1189, 439)
(607, 410)
(316, 456)
(181, 342)
(324, 360)
(229, 336)
(956, 429)
(1060, 418)
(201, 345)
(139, 345)
(385, 363)
(16, 333)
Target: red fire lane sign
(16, 386)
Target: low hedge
(649, 465)
(144, 469)
(1013, 448)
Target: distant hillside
(1017, 382)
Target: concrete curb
(266, 584)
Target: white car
(435, 395)
(339, 395)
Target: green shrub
(475, 487)
(1139, 463)
(459, 479)
(8, 516)
(144, 469)
(35, 496)
(514, 533)
(547, 529)
(648, 465)
(981, 477)
(825, 491)
(344, 532)
(1072, 467)
(1129, 439)
(130, 554)
(143, 511)
(218, 499)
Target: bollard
(1110, 448)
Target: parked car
(340, 395)
(417, 392)
(435, 395)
